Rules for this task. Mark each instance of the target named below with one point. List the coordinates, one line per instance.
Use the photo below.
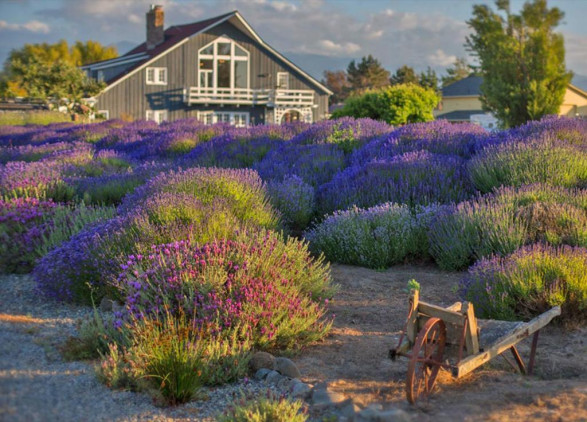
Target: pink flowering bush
(270, 286)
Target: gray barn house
(216, 70)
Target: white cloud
(30, 26)
(330, 47)
(132, 18)
(440, 58)
(295, 26)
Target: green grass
(33, 118)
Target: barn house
(216, 70)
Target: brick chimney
(155, 34)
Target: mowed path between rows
(371, 308)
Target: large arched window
(223, 64)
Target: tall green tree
(460, 69)
(367, 74)
(404, 75)
(522, 60)
(429, 79)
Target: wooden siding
(134, 97)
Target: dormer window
(156, 76)
(223, 64)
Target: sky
(321, 34)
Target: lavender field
(217, 240)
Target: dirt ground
(371, 308)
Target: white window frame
(234, 118)
(104, 113)
(232, 57)
(100, 76)
(281, 75)
(157, 116)
(159, 76)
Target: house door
(291, 116)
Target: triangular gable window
(223, 65)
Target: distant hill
(315, 64)
(580, 81)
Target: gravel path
(37, 385)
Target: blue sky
(322, 33)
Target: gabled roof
(464, 115)
(467, 87)
(176, 35)
(471, 87)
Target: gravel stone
(262, 373)
(37, 385)
(273, 377)
(300, 390)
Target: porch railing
(236, 96)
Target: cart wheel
(426, 359)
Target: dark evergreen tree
(367, 74)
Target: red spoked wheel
(426, 359)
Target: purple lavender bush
(528, 282)
(501, 222)
(568, 129)
(543, 159)
(29, 228)
(294, 199)
(346, 133)
(377, 237)
(416, 178)
(314, 164)
(111, 187)
(42, 180)
(197, 205)
(270, 286)
(231, 151)
(438, 137)
(242, 189)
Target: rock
(322, 397)
(262, 360)
(284, 384)
(262, 373)
(300, 390)
(286, 367)
(273, 377)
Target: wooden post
(471, 334)
(412, 325)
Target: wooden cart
(453, 339)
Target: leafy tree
(45, 54)
(57, 83)
(338, 83)
(522, 60)
(404, 75)
(368, 74)
(396, 104)
(459, 70)
(90, 52)
(429, 79)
